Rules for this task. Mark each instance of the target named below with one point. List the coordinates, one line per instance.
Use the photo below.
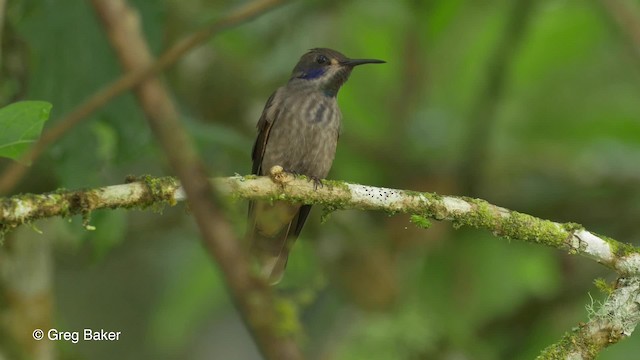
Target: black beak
(355, 62)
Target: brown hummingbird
(298, 130)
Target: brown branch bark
(252, 297)
(15, 171)
(626, 16)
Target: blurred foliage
(562, 143)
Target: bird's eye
(322, 60)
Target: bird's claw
(317, 182)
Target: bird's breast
(305, 134)
(323, 112)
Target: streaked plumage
(298, 130)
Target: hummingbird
(298, 130)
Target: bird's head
(326, 68)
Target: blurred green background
(531, 105)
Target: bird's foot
(278, 174)
(317, 182)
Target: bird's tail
(272, 232)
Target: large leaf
(20, 126)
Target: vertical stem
(483, 113)
(251, 295)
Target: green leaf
(20, 126)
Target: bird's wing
(264, 127)
(272, 250)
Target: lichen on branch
(334, 195)
(615, 319)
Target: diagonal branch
(461, 211)
(614, 320)
(251, 295)
(486, 107)
(15, 171)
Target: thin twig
(485, 109)
(15, 171)
(251, 295)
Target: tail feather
(273, 229)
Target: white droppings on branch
(376, 196)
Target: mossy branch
(612, 321)
(461, 211)
(139, 193)
(615, 319)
